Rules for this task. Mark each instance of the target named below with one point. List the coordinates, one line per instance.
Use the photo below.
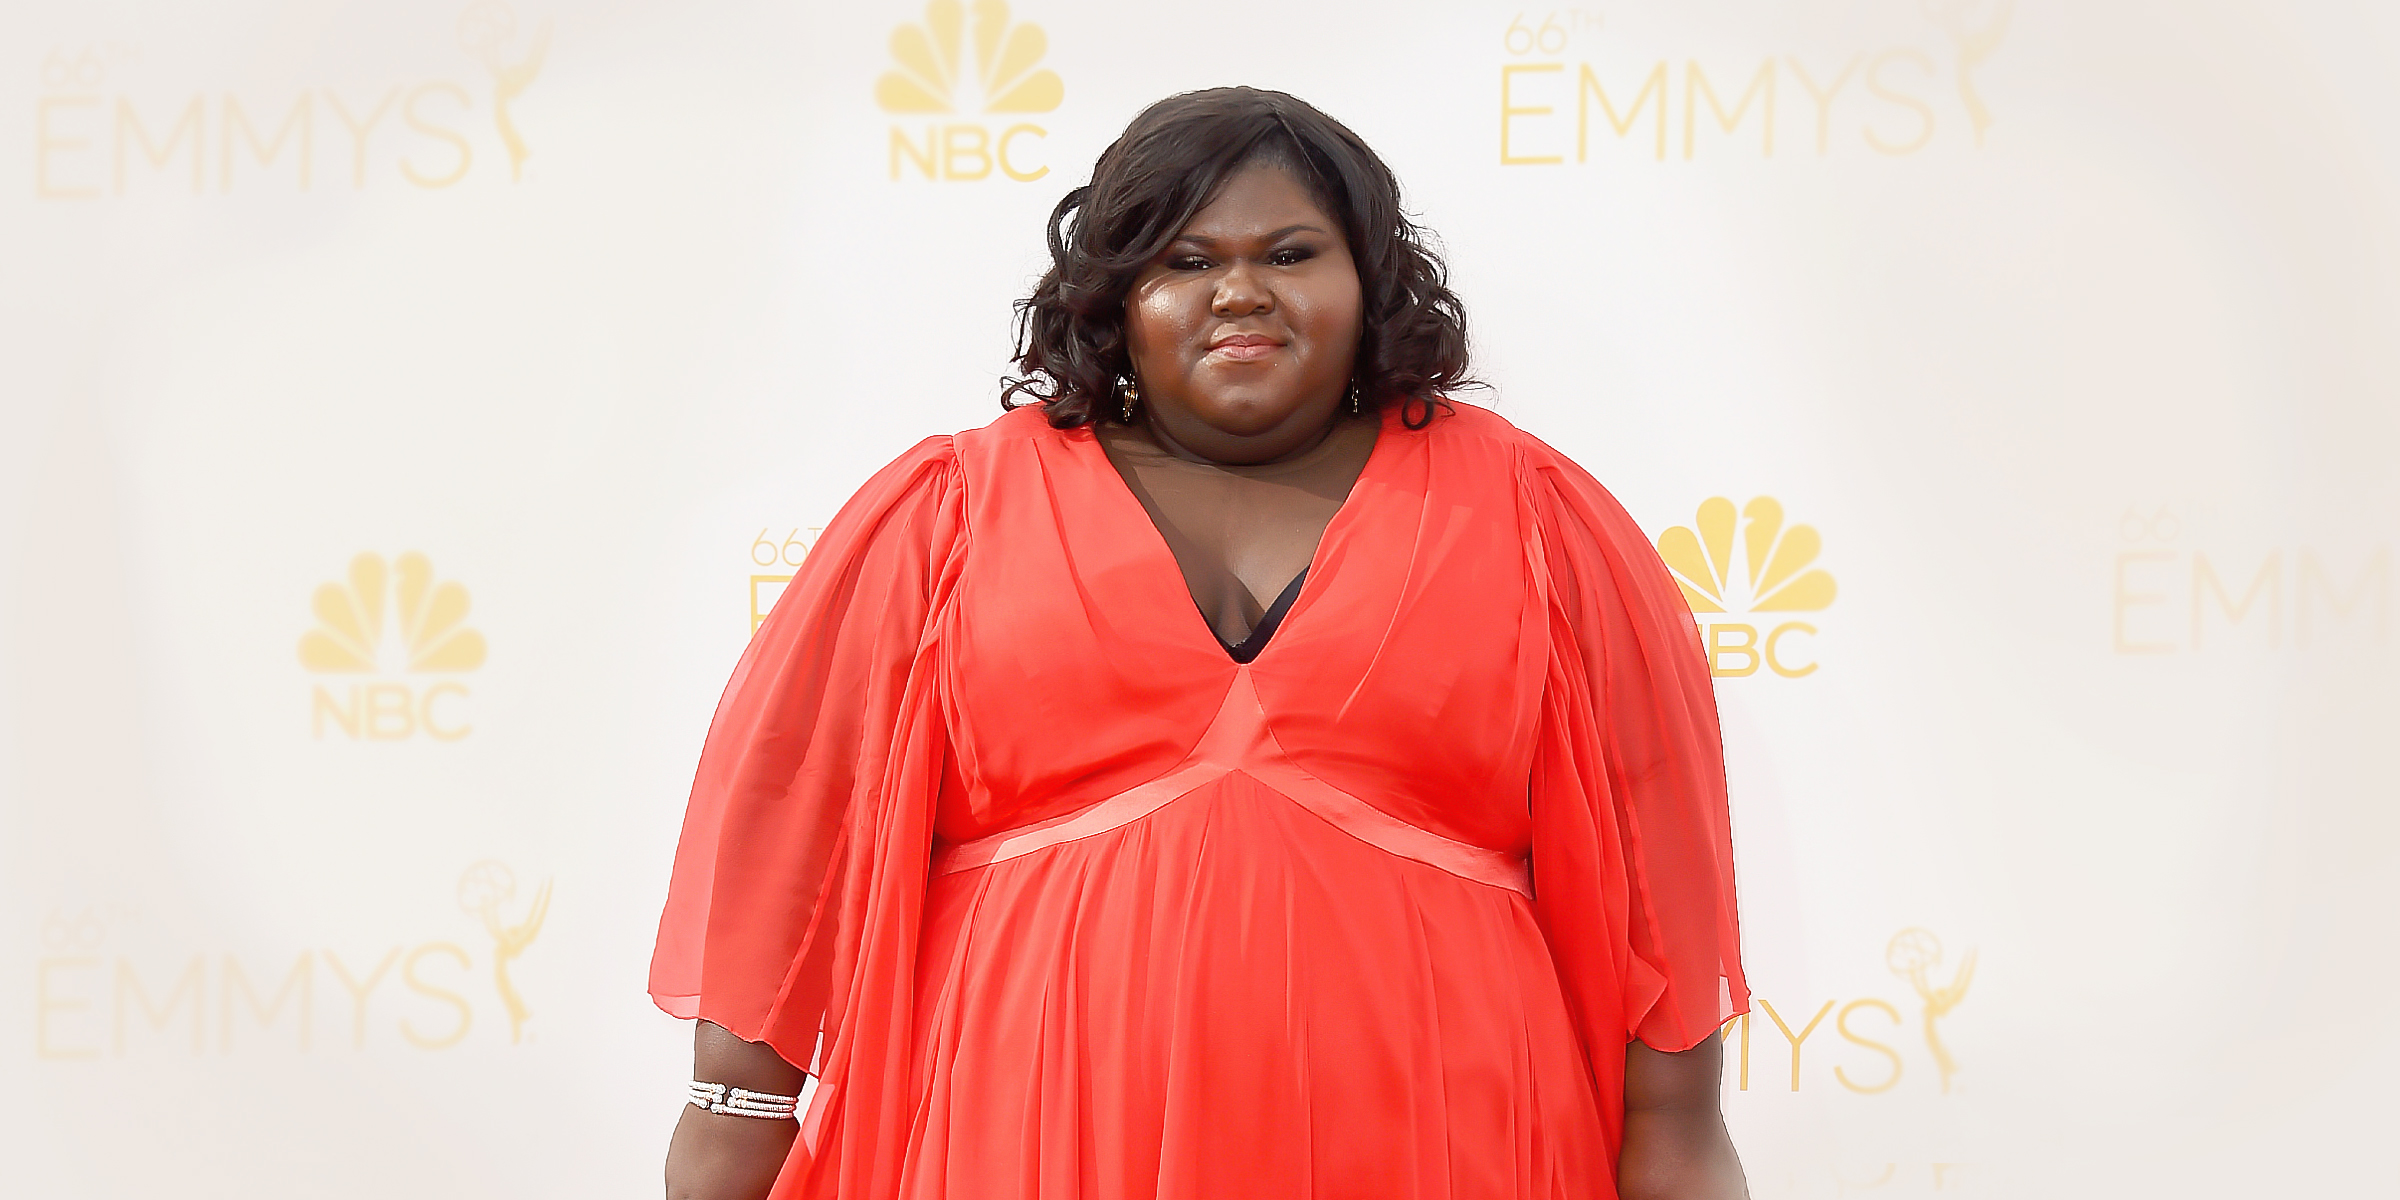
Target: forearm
(722, 1156)
(1678, 1155)
(716, 1157)
(1676, 1146)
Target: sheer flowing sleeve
(792, 895)
(1632, 851)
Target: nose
(1240, 292)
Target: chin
(1246, 416)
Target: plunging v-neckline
(1287, 604)
(1260, 634)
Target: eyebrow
(1277, 235)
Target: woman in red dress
(1243, 775)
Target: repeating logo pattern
(432, 619)
(1912, 955)
(99, 131)
(2180, 591)
(428, 633)
(765, 551)
(1773, 573)
(484, 31)
(1775, 558)
(1862, 1061)
(968, 60)
(104, 991)
(1976, 28)
(482, 889)
(928, 72)
(1563, 87)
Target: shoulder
(1013, 441)
(1014, 429)
(944, 460)
(928, 468)
(1473, 426)
(923, 479)
(1565, 503)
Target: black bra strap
(1248, 648)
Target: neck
(1274, 451)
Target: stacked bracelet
(742, 1102)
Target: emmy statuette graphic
(482, 889)
(484, 29)
(1912, 954)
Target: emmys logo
(429, 636)
(930, 75)
(1882, 97)
(1911, 955)
(2174, 597)
(1772, 575)
(482, 889)
(484, 31)
(96, 997)
(1873, 1066)
(92, 136)
(766, 552)
(1975, 28)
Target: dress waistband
(1238, 739)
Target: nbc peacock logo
(1745, 561)
(968, 59)
(426, 634)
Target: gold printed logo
(1975, 41)
(100, 994)
(349, 630)
(1562, 88)
(1851, 1032)
(2177, 593)
(428, 634)
(765, 590)
(927, 75)
(1774, 556)
(484, 31)
(1774, 573)
(1912, 954)
(97, 131)
(933, 66)
(482, 889)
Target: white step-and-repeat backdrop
(407, 410)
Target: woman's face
(1243, 331)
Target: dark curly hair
(1150, 183)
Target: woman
(1400, 871)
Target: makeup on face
(1244, 332)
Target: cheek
(1155, 320)
(1332, 314)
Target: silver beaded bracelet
(742, 1102)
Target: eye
(1188, 262)
(1291, 255)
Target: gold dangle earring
(1355, 408)
(1129, 395)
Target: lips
(1243, 347)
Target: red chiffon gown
(1062, 903)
